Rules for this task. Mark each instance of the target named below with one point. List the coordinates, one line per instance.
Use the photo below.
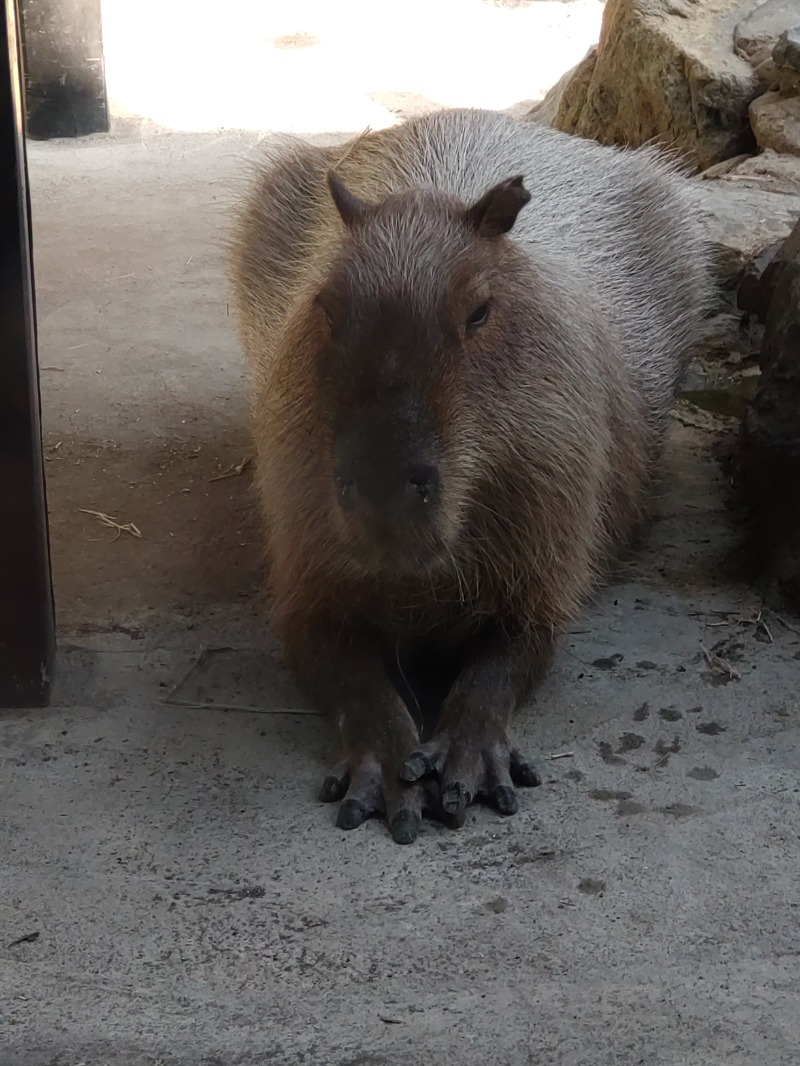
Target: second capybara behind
(465, 333)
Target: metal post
(27, 623)
(64, 68)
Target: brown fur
(544, 423)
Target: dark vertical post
(64, 69)
(27, 625)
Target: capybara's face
(412, 311)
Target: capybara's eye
(478, 316)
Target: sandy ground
(313, 66)
(191, 901)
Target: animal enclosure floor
(172, 891)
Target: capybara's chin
(395, 560)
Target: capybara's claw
(371, 790)
(504, 799)
(427, 760)
(404, 827)
(352, 813)
(336, 784)
(523, 773)
(468, 771)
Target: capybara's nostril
(344, 484)
(422, 482)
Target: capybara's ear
(349, 206)
(497, 210)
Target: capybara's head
(420, 311)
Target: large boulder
(665, 71)
(775, 119)
(754, 294)
(782, 333)
(786, 58)
(775, 116)
(749, 207)
(769, 458)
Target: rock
(725, 167)
(755, 290)
(763, 40)
(783, 316)
(785, 81)
(766, 72)
(665, 70)
(758, 32)
(769, 456)
(786, 52)
(775, 119)
(760, 278)
(561, 106)
(769, 170)
(786, 61)
(743, 220)
(751, 207)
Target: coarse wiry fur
(555, 423)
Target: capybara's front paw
(471, 768)
(368, 788)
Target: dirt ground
(172, 891)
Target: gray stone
(760, 29)
(775, 119)
(758, 282)
(665, 70)
(751, 207)
(786, 52)
(743, 221)
(783, 318)
(770, 171)
(780, 174)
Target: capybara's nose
(390, 496)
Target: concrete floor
(192, 902)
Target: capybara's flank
(465, 333)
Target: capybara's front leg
(471, 753)
(341, 668)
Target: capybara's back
(465, 334)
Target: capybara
(465, 334)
